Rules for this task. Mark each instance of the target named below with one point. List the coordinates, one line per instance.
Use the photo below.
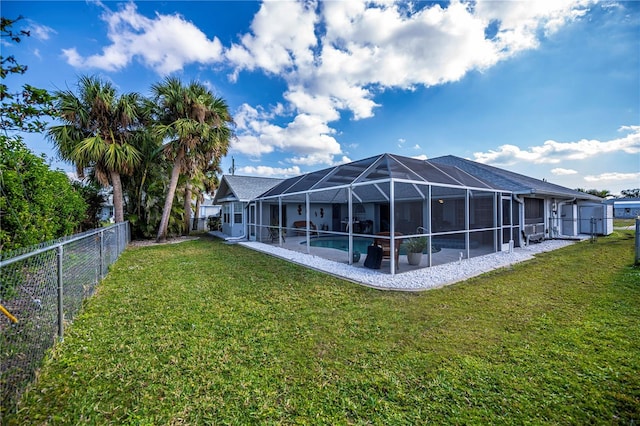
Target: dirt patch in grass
(174, 240)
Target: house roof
(514, 182)
(626, 203)
(243, 188)
(381, 167)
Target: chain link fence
(42, 288)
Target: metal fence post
(118, 239)
(59, 253)
(638, 240)
(101, 255)
(38, 272)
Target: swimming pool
(359, 244)
(341, 243)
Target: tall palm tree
(144, 190)
(196, 126)
(98, 132)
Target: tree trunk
(197, 213)
(168, 202)
(144, 178)
(118, 208)
(187, 208)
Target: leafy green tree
(630, 193)
(91, 194)
(604, 193)
(144, 189)
(37, 204)
(196, 126)
(100, 132)
(26, 110)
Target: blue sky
(550, 89)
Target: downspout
(520, 201)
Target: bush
(37, 204)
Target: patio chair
(274, 235)
(385, 243)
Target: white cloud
(559, 171)
(282, 38)
(41, 32)
(552, 152)
(166, 43)
(519, 21)
(343, 160)
(270, 171)
(307, 135)
(337, 56)
(420, 157)
(633, 178)
(320, 106)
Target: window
(237, 213)
(533, 211)
(226, 212)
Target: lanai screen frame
(498, 228)
(307, 198)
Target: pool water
(342, 243)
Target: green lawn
(207, 333)
(623, 222)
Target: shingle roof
(243, 188)
(510, 181)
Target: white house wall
(229, 226)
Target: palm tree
(98, 133)
(196, 126)
(144, 190)
(602, 193)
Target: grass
(205, 333)
(623, 222)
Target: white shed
(595, 218)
